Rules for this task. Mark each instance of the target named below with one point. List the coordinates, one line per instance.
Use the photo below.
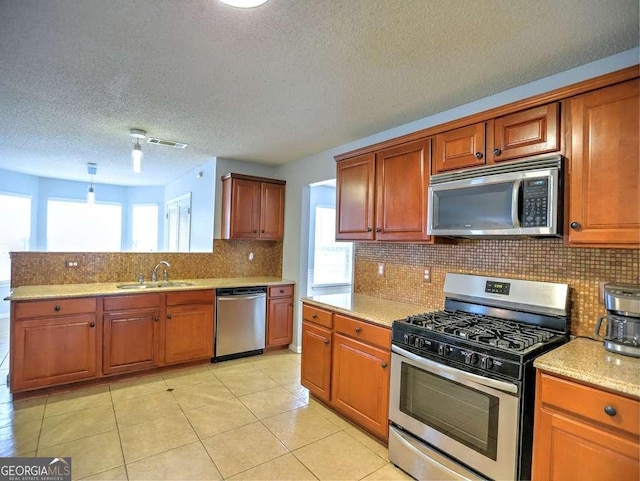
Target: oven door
(469, 417)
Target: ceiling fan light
(136, 156)
(244, 3)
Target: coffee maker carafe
(623, 319)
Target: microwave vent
(533, 163)
(167, 143)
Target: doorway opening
(330, 263)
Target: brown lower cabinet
(316, 360)
(53, 350)
(345, 363)
(584, 433)
(188, 333)
(61, 341)
(279, 315)
(131, 333)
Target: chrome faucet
(165, 275)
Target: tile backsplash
(230, 258)
(546, 260)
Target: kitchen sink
(153, 285)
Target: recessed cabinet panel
(53, 350)
(131, 340)
(604, 167)
(316, 360)
(360, 383)
(459, 148)
(188, 333)
(272, 211)
(355, 186)
(530, 132)
(402, 181)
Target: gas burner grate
(487, 330)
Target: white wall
(321, 166)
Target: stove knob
(486, 363)
(469, 358)
(419, 342)
(410, 339)
(443, 349)
(406, 338)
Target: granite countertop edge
(375, 310)
(57, 291)
(588, 362)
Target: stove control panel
(472, 359)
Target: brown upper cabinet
(383, 195)
(604, 167)
(252, 207)
(529, 132)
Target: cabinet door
(245, 209)
(604, 172)
(38, 345)
(188, 333)
(530, 132)
(279, 321)
(459, 148)
(272, 211)
(567, 448)
(316, 360)
(130, 340)
(355, 186)
(402, 181)
(360, 383)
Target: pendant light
(136, 153)
(91, 194)
(244, 3)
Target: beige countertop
(372, 309)
(587, 361)
(30, 293)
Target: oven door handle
(432, 365)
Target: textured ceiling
(271, 84)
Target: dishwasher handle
(240, 297)
(240, 291)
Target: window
(15, 229)
(332, 261)
(179, 224)
(74, 226)
(144, 227)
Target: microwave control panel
(535, 199)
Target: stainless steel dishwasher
(240, 322)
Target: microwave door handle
(515, 207)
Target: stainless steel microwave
(522, 198)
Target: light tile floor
(246, 419)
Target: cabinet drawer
(55, 307)
(364, 331)
(590, 403)
(281, 291)
(190, 297)
(317, 316)
(131, 302)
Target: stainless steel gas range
(462, 379)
